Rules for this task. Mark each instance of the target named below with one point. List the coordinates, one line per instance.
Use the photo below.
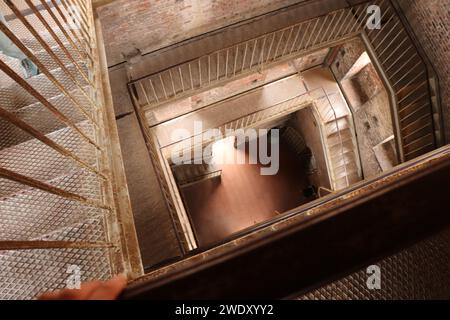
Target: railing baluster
(270, 46)
(12, 118)
(244, 57)
(49, 50)
(253, 53)
(300, 47)
(287, 41)
(163, 86)
(336, 24)
(190, 76)
(312, 32)
(295, 38)
(172, 82)
(10, 73)
(153, 89)
(16, 177)
(235, 60)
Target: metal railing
(54, 156)
(414, 103)
(249, 56)
(328, 113)
(407, 75)
(321, 103)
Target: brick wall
(151, 24)
(430, 20)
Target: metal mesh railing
(55, 185)
(249, 56)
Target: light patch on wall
(360, 64)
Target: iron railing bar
(418, 139)
(355, 16)
(218, 66)
(278, 45)
(429, 124)
(69, 7)
(431, 144)
(383, 62)
(295, 38)
(59, 42)
(200, 72)
(81, 18)
(33, 183)
(226, 64)
(345, 22)
(312, 32)
(387, 34)
(407, 73)
(181, 78)
(235, 60)
(390, 43)
(190, 76)
(363, 22)
(163, 86)
(323, 36)
(83, 42)
(60, 116)
(245, 56)
(393, 64)
(287, 41)
(336, 24)
(261, 56)
(153, 89)
(15, 120)
(400, 68)
(414, 101)
(63, 30)
(209, 69)
(253, 53)
(173, 84)
(49, 50)
(300, 47)
(145, 93)
(44, 69)
(270, 46)
(422, 107)
(410, 82)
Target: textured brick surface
(151, 24)
(430, 20)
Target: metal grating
(419, 272)
(33, 213)
(26, 273)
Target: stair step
(33, 213)
(13, 96)
(334, 126)
(342, 182)
(42, 119)
(347, 159)
(38, 161)
(336, 138)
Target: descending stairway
(340, 144)
(412, 84)
(31, 214)
(188, 174)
